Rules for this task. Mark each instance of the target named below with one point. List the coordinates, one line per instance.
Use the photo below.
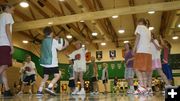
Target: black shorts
(94, 79)
(71, 83)
(28, 80)
(105, 81)
(50, 71)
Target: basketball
(27, 69)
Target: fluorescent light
(151, 12)
(115, 16)
(24, 4)
(126, 41)
(69, 36)
(121, 31)
(50, 23)
(179, 25)
(83, 45)
(175, 37)
(94, 33)
(103, 44)
(25, 41)
(151, 28)
(82, 21)
(61, 0)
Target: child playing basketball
(49, 60)
(104, 77)
(93, 73)
(166, 48)
(71, 76)
(156, 62)
(79, 66)
(142, 57)
(129, 71)
(28, 71)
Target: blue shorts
(167, 71)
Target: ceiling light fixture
(151, 12)
(24, 4)
(69, 36)
(126, 41)
(50, 23)
(179, 25)
(151, 28)
(175, 37)
(115, 16)
(94, 33)
(103, 44)
(81, 21)
(121, 31)
(83, 45)
(25, 41)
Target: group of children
(145, 57)
(142, 59)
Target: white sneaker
(81, 92)
(75, 91)
(92, 93)
(96, 93)
(150, 91)
(20, 93)
(130, 91)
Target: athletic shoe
(50, 91)
(20, 93)
(150, 91)
(81, 92)
(75, 91)
(130, 91)
(96, 93)
(140, 90)
(7, 93)
(92, 93)
(39, 93)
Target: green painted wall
(115, 68)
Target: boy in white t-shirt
(49, 60)
(6, 45)
(79, 57)
(28, 71)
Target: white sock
(50, 85)
(82, 88)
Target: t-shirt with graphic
(5, 18)
(145, 39)
(79, 57)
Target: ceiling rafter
(110, 27)
(69, 27)
(163, 6)
(134, 17)
(38, 9)
(105, 35)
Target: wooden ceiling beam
(164, 6)
(110, 27)
(38, 9)
(134, 17)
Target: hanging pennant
(98, 55)
(112, 54)
(88, 56)
(123, 53)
